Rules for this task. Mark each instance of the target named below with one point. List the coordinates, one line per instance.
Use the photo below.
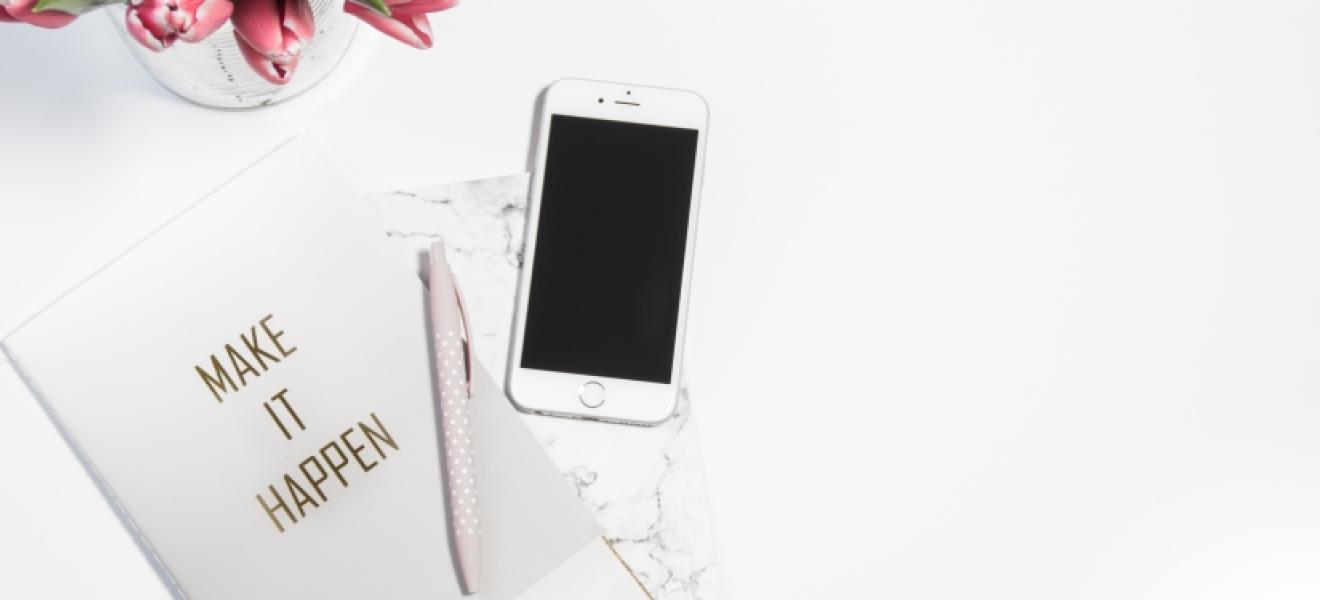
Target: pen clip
(467, 332)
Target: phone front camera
(600, 100)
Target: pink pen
(452, 338)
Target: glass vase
(213, 73)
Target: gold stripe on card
(626, 567)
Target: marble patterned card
(644, 485)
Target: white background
(993, 299)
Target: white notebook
(251, 386)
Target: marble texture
(644, 485)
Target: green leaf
(376, 5)
(73, 7)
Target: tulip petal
(4, 16)
(140, 32)
(209, 16)
(178, 20)
(276, 29)
(156, 17)
(411, 29)
(421, 6)
(257, 22)
(277, 73)
(21, 10)
(49, 19)
(298, 19)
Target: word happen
(315, 472)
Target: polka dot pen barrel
(452, 342)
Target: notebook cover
(251, 386)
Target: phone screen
(608, 273)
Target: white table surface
(1012, 299)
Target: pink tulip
(407, 20)
(271, 34)
(156, 24)
(20, 11)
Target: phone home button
(592, 394)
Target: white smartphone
(602, 303)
